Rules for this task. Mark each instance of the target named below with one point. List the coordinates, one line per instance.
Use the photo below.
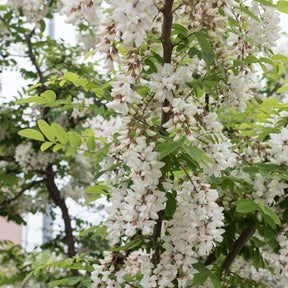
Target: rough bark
(55, 195)
(237, 247)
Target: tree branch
(167, 45)
(210, 259)
(34, 61)
(238, 245)
(167, 56)
(8, 158)
(21, 192)
(55, 195)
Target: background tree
(31, 179)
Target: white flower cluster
(123, 94)
(33, 10)
(280, 262)
(73, 191)
(239, 91)
(133, 19)
(167, 83)
(182, 118)
(102, 127)
(193, 231)
(245, 268)
(218, 147)
(201, 14)
(135, 207)
(89, 9)
(252, 152)
(88, 40)
(84, 102)
(279, 147)
(28, 159)
(267, 31)
(265, 190)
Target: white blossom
(33, 10)
(29, 159)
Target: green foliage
(246, 206)
(171, 205)
(282, 6)
(204, 273)
(32, 134)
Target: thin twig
(8, 158)
(21, 192)
(34, 61)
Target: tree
(30, 178)
(191, 154)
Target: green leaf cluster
(246, 206)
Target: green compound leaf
(70, 151)
(282, 89)
(282, 6)
(246, 206)
(167, 148)
(60, 133)
(97, 189)
(32, 134)
(87, 55)
(58, 147)
(46, 130)
(87, 231)
(45, 146)
(269, 216)
(31, 99)
(179, 28)
(203, 42)
(193, 51)
(91, 145)
(170, 205)
(204, 271)
(280, 57)
(197, 154)
(208, 57)
(75, 139)
(200, 278)
(266, 3)
(49, 95)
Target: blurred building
(10, 231)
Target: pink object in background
(10, 231)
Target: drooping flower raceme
(29, 159)
(266, 31)
(123, 94)
(33, 10)
(194, 231)
(279, 147)
(135, 206)
(89, 9)
(133, 19)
